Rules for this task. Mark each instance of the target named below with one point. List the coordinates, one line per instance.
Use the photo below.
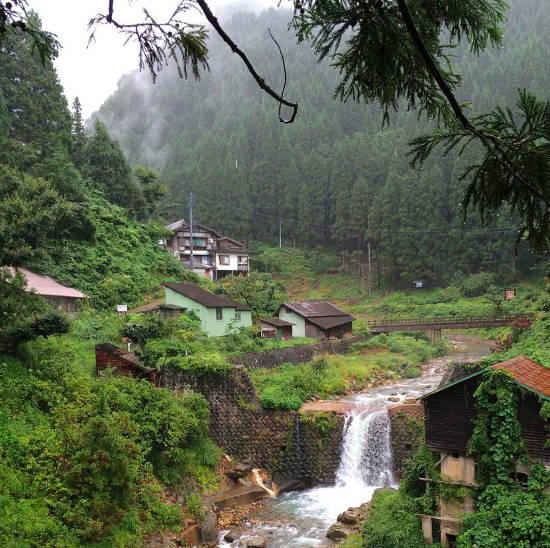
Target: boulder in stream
(256, 542)
(339, 531)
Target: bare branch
(234, 48)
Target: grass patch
(380, 358)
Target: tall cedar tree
(104, 163)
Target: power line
(443, 230)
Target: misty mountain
(335, 177)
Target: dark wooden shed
(126, 363)
(276, 328)
(450, 411)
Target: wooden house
(275, 328)
(165, 311)
(59, 296)
(126, 363)
(317, 319)
(449, 414)
(214, 255)
(218, 314)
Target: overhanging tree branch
(212, 19)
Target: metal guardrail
(403, 322)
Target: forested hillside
(71, 206)
(334, 177)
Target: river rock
(393, 399)
(351, 516)
(238, 470)
(208, 531)
(339, 531)
(232, 536)
(256, 542)
(409, 401)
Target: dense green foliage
(392, 522)
(59, 190)
(87, 459)
(333, 177)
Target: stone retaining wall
(297, 354)
(283, 442)
(407, 425)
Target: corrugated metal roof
(201, 296)
(527, 373)
(316, 309)
(128, 357)
(329, 322)
(48, 287)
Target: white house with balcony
(214, 256)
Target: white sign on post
(121, 308)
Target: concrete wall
(407, 424)
(282, 442)
(296, 354)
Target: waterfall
(366, 452)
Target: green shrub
(392, 522)
(412, 373)
(206, 363)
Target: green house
(217, 313)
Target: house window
(238, 316)
(224, 259)
(219, 314)
(243, 259)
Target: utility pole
(191, 231)
(368, 252)
(280, 235)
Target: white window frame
(219, 314)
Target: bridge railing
(480, 318)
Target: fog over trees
(334, 177)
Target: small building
(59, 296)
(218, 314)
(125, 363)
(214, 255)
(275, 328)
(317, 319)
(165, 311)
(449, 422)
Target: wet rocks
(232, 535)
(339, 531)
(256, 542)
(349, 522)
(237, 470)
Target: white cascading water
(366, 459)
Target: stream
(302, 518)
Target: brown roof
(201, 296)
(128, 357)
(48, 287)
(277, 322)
(528, 373)
(182, 224)
(316, 309)
(329, 322)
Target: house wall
(233, 260)
(209, 324)
(173, 297)
(299, 327)
(68, 304)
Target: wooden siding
(451, 412)
(449, 415)
(315, 332)
(103, 360)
